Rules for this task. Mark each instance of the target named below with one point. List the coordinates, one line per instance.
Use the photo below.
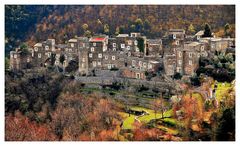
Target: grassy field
(128, 121)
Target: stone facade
(175, 53)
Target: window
(135, 42)
(138, 75)
(94, 63)
(190, 62)
(129, 42)
(99, 63)
(94, 44)
(83, 60)
(92, 49)
(177, 42)
(46, 47)
(212, 46)
(114, 44)
(114, 49)
(190, 55)
(36, 49)
(72, 45)
(144, 64)
(113, 57)
(122, 46)
(180, 54)
(133, 62)
(104, 48)
(99, 55)
(149, 66)
(56, 62)
(137, 49)
(140, 63)
(129, 54)
(109, 66)
(70, 50)
(128, 47)
(202, 48)
(106, 57)
(174, 36)
(180, 62)
(49, 54)
(178, 69)
(90, 55)
(39, 55)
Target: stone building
(132, 55)
(154, 47)
(97, 46)
(218, 44)
(83, 55)
(169, 63)
(19, 60)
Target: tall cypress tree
(207, 31)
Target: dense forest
(33, 23)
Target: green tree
(7, 63)
(133, 28)
(85, 26)
(62, 59)
(226, 128)
(207, 31)
(72, 66)
(87, 33)
(121, 29)
(140, 44)
(139, 24)
(52, 59)
(106, 28)
(191, 29)
(227, 29)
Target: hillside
(36, 23)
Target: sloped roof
(199, 33)
(97, 39)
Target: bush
(177, 76)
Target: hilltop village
(132, 56)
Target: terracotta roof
(97, 39)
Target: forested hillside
(37, 23)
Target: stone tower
(83, 55)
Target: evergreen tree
(207, 31)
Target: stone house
(83, 44)
(169, 63)
(97, 46)
(218, 44)
(42, 52)
(133, 73)
(177, 34)
(19, 60)
(154, 47)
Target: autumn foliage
(19, 128)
